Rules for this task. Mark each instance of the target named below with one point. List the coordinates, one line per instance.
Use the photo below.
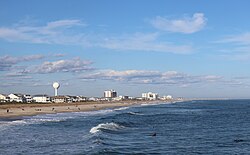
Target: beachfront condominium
(150, 96)
(110, 93)
(41, 98)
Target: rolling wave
(106, 126)
(135, 113)
(122, 108)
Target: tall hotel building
(110, 94)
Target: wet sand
(16, 110)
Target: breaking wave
(106, 126)
(135, 113)
(122, 108)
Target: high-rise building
(110, 93)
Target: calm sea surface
(195, 127)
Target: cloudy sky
(189, 48)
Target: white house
(41, 98)
(81, 99)
(4, 98)
(150, 96)
(168, 97)
(110, 93)
(27, 98)
(75, 98)
(16, 98)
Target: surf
(106, 126)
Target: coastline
(19, 110)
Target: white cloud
(238, 47)
(150, 77)
(52, 32)
(74, 65)
(242, 39)
(144, 42)
(64, 32)
(64, 23)
(185, 25)
(6, 62)
(120, 75)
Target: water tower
(56, 85)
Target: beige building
(4, 98)
(60, 99)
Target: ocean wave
(16, 122)
(34, 120)
(122, 108)
(149, 104)
(106, 126)
(5, 124)
(135, 113)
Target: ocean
(191, 127)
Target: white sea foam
(135, 113)
(43, 118)
(122, 108)
(6, 124)
(48, 118)
(35, 120)
(107, 126)
(148, 104)
(16, 122)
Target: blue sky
(184, 48)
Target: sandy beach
(16, 110)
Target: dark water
(196, 127)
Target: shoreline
(20, 110)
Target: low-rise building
(117, 98)
(4, 98)
(41, 98)
(16, 98)
(150, 96)
(81, 98)
(168, 97)
(60, 99)
(27, 98)
(94, 99)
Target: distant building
(27, 98)
(81, 98)
(168, 97)
(75, 98)
(4, 98)
(117, 98)
(93, 99)
(125, 97)
(60, 99)
(41, 98)
(150, 96)
(110, 94)
(16, 98)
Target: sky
(192, 48)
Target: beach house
(27, 98)
(16, 98)
(41, 98)
(60, 99)
(4, 98)
(168, 97)
(150, 96)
